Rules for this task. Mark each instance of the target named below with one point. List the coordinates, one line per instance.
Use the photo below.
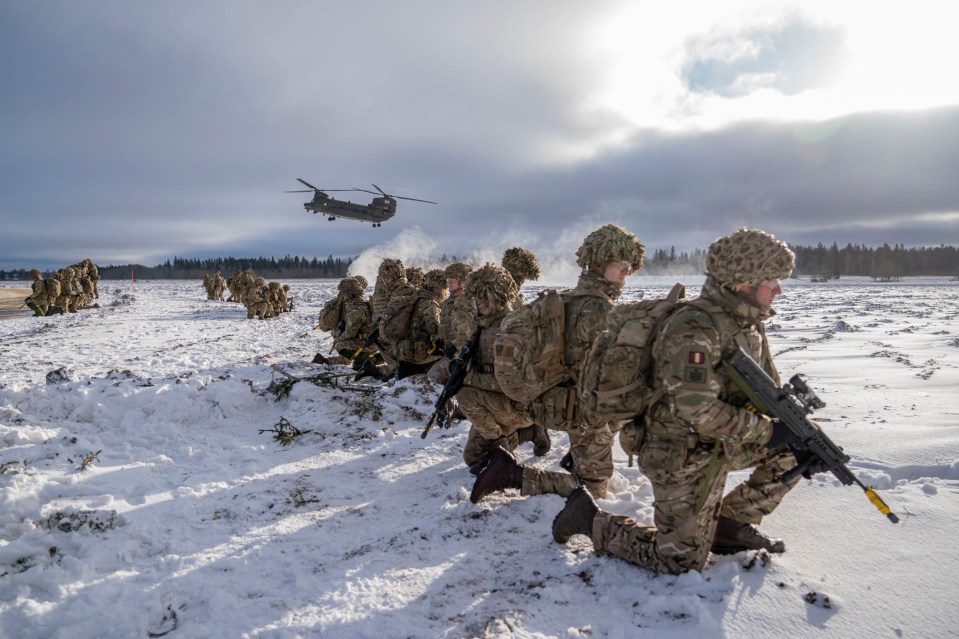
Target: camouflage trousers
(688, 503)
(40, 304)
(493, 415)
(261, 310)
(592, 453)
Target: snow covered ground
(139, 497)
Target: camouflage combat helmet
(747, 257)
(351, 287)
(414, 275)
(34, 273)
(362, 281)
(286, 287)
(493, 283)
(274, 285)
(458, 271)
(521, 263)
(435, 280)
(259, 282)
(392, 268)
(608, 244)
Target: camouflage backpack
(614, 382)
(330, 314)
(530, 348)
(397, 319)
(52, 287)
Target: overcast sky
(135, 131)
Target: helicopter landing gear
(331, 218)
(376, 224)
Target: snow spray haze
(414, 247)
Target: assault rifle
(339, 329)
(372, 338)
(791, 404)
(454, 383)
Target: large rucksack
(52, 287)
(330, 314)
(530, 348)
(397, 318)
(615, 380)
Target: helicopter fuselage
(379, 210)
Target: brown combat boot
(536, 434)
(576, 518)
(501, 472)
(734, 536)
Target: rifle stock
(791, 405)
(458, 369)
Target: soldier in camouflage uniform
(217, 286)
(456, 275)
(255, 298)
(357, 322)
(701, 429)
(522, 265)
(415, 275)
(607, 256)
(38, 300)
(495, 418)
(413, 354)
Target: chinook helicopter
(380, 209)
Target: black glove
(812, 464)
(782, 436)
(450, 351)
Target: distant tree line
(821, 262)
(194, 269)
(883, 263)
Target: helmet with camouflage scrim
(258, 282)
(362, 281)
(492, 283)
(435, 280)
(458, 271)
(414, 275)
(350, 287)
(747, 257)
(608, 244)
(286, 287)
(392, 269)
(35, 273)
(521, 264)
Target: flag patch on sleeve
(697, 357)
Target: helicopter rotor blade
(301, 191)
(380, 190)
(365, 191)
(400, 197)
(307, 184)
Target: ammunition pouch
(555, 409)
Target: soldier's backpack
(330, 314)
(52, 287)
(614, 383)
(397, 319)
(530, 348)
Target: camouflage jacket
(358, 324)
(586, 308)
(701, 404)
(462, 320)
(424, 326)
(379, 298)
(480, 373)
(446, 318)
(398, 294)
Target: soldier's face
(617, 272)
(764, 294)
(453, 285)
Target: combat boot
(576, 518)
(368, 370)
(319, 359)
(734, 536)
(536, 434)
(501, 472)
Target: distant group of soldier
(261, 299)
(67, 290)
(698, 428)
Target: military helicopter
(380, 209)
